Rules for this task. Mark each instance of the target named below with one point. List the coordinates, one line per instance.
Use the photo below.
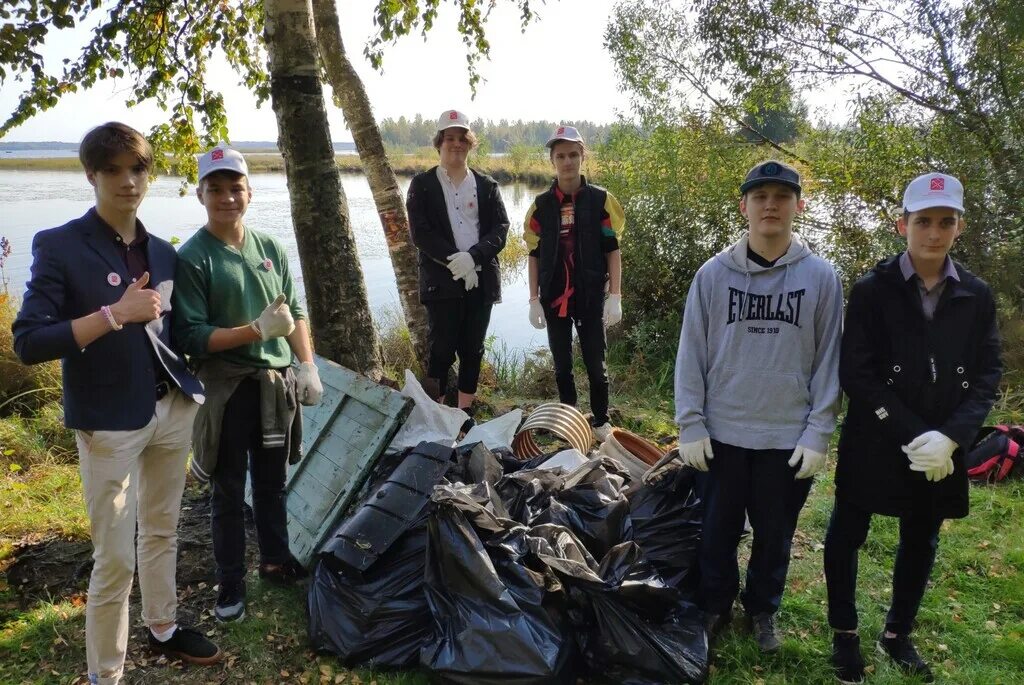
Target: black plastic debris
(666, 519)
(495, 620)
(377, 618)
(630, 627)
(592, 504)
(474, 463)
(390, 510)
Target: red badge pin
(216, 154)
(560, 131)
(267, 264)
(453, 115)
(938, 184)
(113, 279)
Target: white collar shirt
(463, 208)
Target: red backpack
(997, 454)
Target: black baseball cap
(771, 172)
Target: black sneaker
(901, 650)
(188, 645)
(847, 662)
(230, 601)
(765, 632)
(288, 573)
(714, 624)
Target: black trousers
(241, 439)
(915, 556)
(457, 327)
(758, 483)
(590, 330)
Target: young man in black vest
(920, 365)
(572, 232)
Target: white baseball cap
(452, 118)
(565, 133)
(933, 190)
(222, 158)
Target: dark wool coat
(431, 232)
(905, 375)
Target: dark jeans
(241, 439)
(760, 484)
(590, 330)
(915, 556)
(457, 327)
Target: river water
(35, 200)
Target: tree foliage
(397, 18)
(941, 88)
(162, 48)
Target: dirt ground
(53, 570)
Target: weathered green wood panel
(342, 439)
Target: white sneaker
(602, 432)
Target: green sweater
(218, 286)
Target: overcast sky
(558, 70)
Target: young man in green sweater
(238, 317)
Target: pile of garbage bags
(482, 568)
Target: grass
(970, 626)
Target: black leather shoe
(847, 662)
(188, 645)
(902, 651)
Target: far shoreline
(537, 172)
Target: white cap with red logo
(452, 118)
(933, 190)
(222, 158)
(565, 133)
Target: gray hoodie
(758, 361)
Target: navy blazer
(111, 383)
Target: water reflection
(34, 200)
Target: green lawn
(971, 622)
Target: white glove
(932, 453)
(472, 279)
(812, 461)
(275, 321)
(664, 466)
(537, 318)
(612, 310)
(460, 264)
(307, 384)
(697, 454)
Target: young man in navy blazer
(99, 300)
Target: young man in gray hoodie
(756, 391)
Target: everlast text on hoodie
(758, 360)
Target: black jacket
(905, 375)
(431, 233)
(110, 384)
(591, 262)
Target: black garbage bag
(495, 620)
(378, 618)
(630, 627)
(527, 493)
(666, 518)
(592, 504)
(474, 463)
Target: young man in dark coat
(920, 365)
(457, 221)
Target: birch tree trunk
(339, 309)
(351, 97)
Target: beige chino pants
(130, 476)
